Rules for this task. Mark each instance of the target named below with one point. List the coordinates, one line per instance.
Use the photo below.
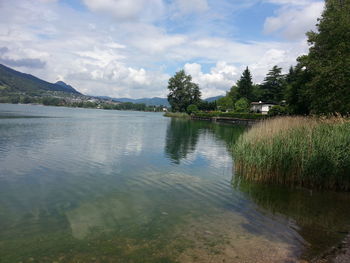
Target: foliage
(278, 110)
(52, 101)
(206, 105)
(329, 60)
(242, 105)
(257, 93)
(191, 108)
(225, 103)
(244, 86)
(15, 99)
(182, 91)
(26, 100)
(296, 151)
(273, 86)
(297, 95)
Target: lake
(85, 185)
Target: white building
(261, 107)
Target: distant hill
(15, 81)
(211, 99)
(156, 101)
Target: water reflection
(182, 136)
(321, 218)
(138, 187)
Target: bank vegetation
(312, 152)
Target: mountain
(148, 101)
(15, 81)
(66, 86)
(211, 99)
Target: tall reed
(302, 151)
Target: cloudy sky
(130, 48)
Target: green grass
(296, 151)
(177, 115)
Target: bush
(192, 108)
(278, 110)
(242, 105)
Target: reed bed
(297, 151)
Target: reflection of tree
(182, 136)
(227, 132)
(323, 217)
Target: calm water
(79, 185)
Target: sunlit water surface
(79, 185)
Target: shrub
(278, 110)
(242, 105)
(191, 108)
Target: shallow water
(80, 185)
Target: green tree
(329, 59)
(15, 99)
(191, 108)
(273, 85)
(182, 92)
(278, 110)
(26, 100)
(297, 94)
(257, 93)
(225, 103)
(245, 86)
(207, 106)
(242, 105)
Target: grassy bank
(177, 115)
(297, 151)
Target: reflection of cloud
(213, 151)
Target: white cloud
(126, 9)
(294, 22)
(129, 57)
(217, 81)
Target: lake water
(80, 185)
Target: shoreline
(339, 253)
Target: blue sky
(130, 48)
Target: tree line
(318, 84)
